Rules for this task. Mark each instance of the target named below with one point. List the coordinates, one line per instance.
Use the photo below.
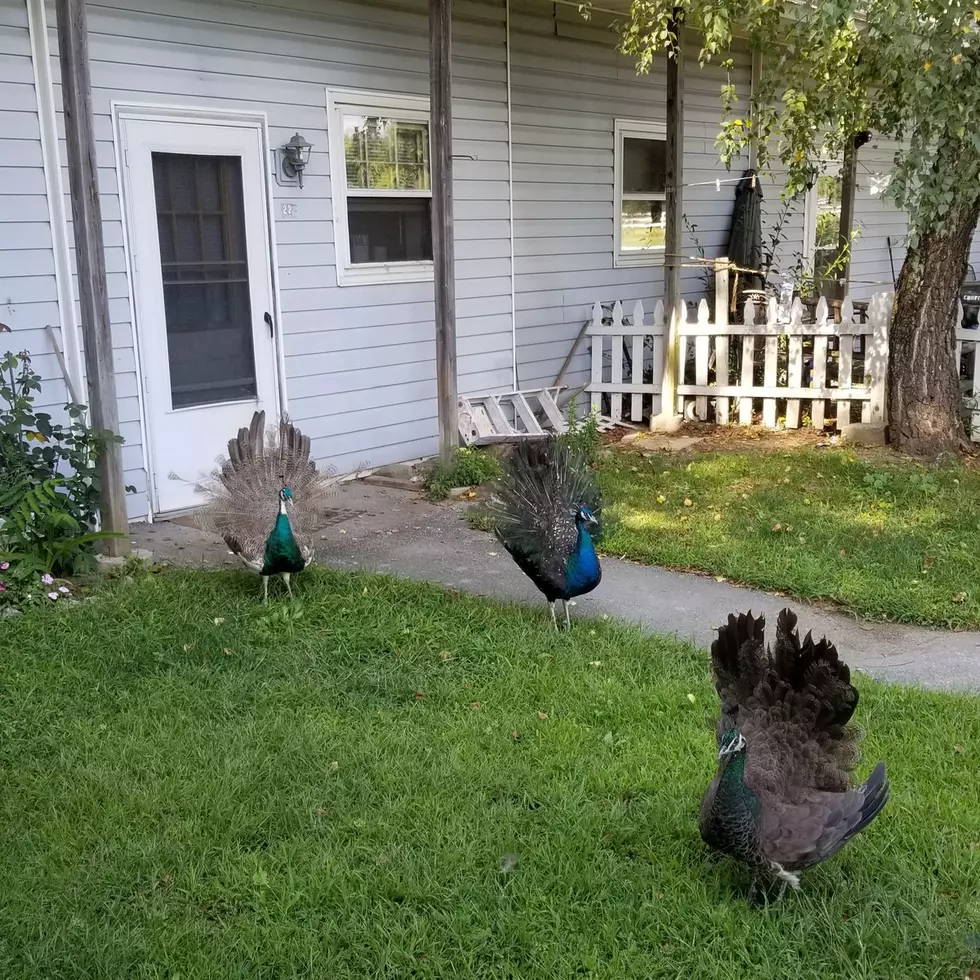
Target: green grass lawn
(884, 539)
(401, 782)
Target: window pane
(386, 154)
(644, 226)
(201, 224)
(390, 229)
(828, 228)
(644, 166)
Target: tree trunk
(924, 402)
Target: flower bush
(21, 585)
(49, 482)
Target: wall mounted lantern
(295, 157)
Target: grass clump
(388, 780)
(885, 539)
(469, 468)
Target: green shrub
(49, 484)
(470, 467)
(583, 434)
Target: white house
(230, 285)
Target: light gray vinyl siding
(28, 289)
(568, 88)
(359, 360)
(877, 220)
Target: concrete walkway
(401, 533)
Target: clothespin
(718, 185)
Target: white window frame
(828, 168)
(407, 107)
(634, 129)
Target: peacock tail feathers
(544, 483)
(737, 659)
(243, 491)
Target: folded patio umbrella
(745, 240)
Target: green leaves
(908, 70)
(49, 484)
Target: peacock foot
(759, 894)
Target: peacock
(782, 799)
(545, 510)
(267, 500)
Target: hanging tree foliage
(904, 69)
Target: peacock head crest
(732, 742)
(585, 516)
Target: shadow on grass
(899, 542)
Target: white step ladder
(485, 419)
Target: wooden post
(441, 142)
(674, 219)
(721, 342)
(76, 88)
(755, 84)
(848, 189)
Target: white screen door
(198, 225)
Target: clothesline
(702, 262)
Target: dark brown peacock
(782, 799)
(267, 499)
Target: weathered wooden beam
(755, 86)
(76, 89)
(674, 219)
(848, 191)
(443, 249)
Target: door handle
(272, 328)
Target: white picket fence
(968, 362)
(782, 370)
(634, 348)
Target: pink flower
(52, 595)
(4, 565)
(63, 589)
(3, 588)
(46, 579)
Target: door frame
(124, 111)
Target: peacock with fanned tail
(782, 799)
(545, 511)
(267, 500)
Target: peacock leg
(755, 897)
(568, 622)
(289, 588)
(787, 879)
(554, 616)
(265, 589)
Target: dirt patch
(756, 439)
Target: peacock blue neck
(582, 569)
(282, 553)
(733, 794)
